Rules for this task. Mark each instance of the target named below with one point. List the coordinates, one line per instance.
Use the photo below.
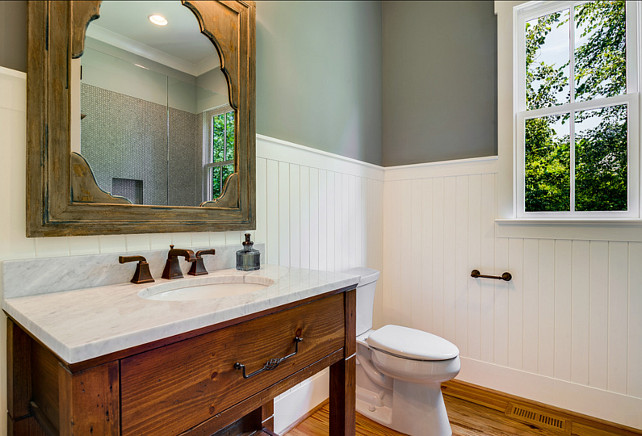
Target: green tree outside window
(600, 146)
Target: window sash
(532, 10)
(631, 101)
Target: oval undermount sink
(206, 288)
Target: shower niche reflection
(151, 112)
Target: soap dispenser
(248, 259)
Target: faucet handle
(200, 253)
(198, 267)
(142, 274)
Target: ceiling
(179, 44)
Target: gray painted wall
(318, 75)
(439, 81)
(389, 83)
(13, 35)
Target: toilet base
(417, 410)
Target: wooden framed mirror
(191, 120)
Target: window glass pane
(601, 159)
(547, 164)
(215, 177)
(227, 170)
(218, 137)
(547, 60)
(600, 50)
(230, 136)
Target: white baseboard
(622, 409)
(293, 404)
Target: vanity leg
(89, 401)
(267, 415)
(343, 376)
(18, 379)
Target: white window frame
(531, 10)
(208, 165)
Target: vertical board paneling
(330, 221)
(634, 375)
(427, 254)
(403, 295)
(487, 266)
(295, 216)
(450, 272)
(531, 305)
(339, 216)
(461, 264)
(260, 234)
(599, 285)
(580, 313)
(415, 261)
(572, 312)
(617, 316)
(501, 304)
(474, 260)
(313, 240)
(546, 310)
(350, 243)
(563, 262)
(284, 213)
(323, 220)
(304, 222)
(515, 303)
(438, 280)
(272, 238)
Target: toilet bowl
(400, 370)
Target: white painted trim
(13, 73)
(112, 38)
(624, 230)
(479, 165)
(284, 151)
(13, 89)
(578, 398)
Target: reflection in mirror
(152, 117)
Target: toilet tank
(365, 296)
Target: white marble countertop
(87, 323)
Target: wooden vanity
(192, 383)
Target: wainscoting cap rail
(505, 276)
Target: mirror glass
(150, 111)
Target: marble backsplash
(24, 277)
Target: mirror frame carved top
(55, 204)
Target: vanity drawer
(170, 389)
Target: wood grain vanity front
(195, 379)
(188, 385)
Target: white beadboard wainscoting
(566, 331)
(321, 211)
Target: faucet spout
(180, 252)
(172, 266)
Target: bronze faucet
(142, 274)
(198, 267)
(172, 266)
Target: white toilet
(400, 370)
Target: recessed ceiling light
(157, 19)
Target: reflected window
(219, 164)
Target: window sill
(587, 229)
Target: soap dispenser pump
(248, 259)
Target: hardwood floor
(466, 419)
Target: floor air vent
(532, 416)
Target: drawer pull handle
(272, 363)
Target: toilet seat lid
(412, 343)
